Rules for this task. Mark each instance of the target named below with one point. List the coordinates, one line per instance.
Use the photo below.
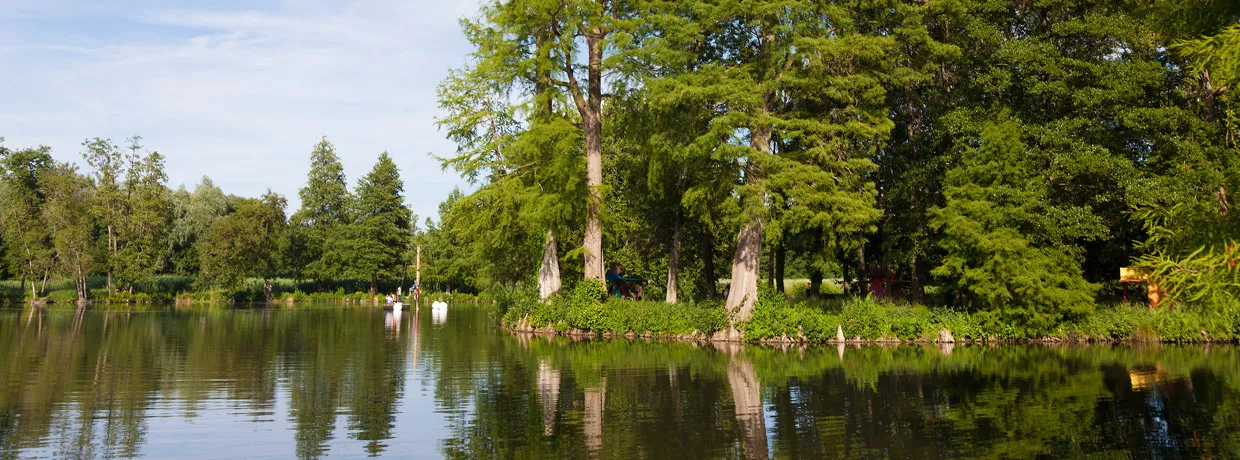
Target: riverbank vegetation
(779, 319)
(996, 161)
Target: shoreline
(734, 336)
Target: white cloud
(240, 94)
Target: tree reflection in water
(317, 381)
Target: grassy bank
(167, 289)
(776, 318)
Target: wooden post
(417, 269)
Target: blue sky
(238, 91)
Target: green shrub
(64, 296)
(864, 318)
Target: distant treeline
(116, 227)
(995, 155)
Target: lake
(330, 381)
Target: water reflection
(352, 382)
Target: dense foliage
(116, 233)
(998, 157)
(995, 157)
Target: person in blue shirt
(623, 286)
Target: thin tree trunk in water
(596, 399)
(548, 394)
(747, 261)
(709, 279)
(747, 398)
(549, 269)
(81, 287)
(781, 255)
(673, 263)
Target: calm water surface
(357, 382)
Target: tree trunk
(593, 241)
(373, 289)
(747, 261)
(770, 270)
(863, 272)
(745, 269)
(781, 257)
(43, 284)
(918, 294)
(590, 108)
(549, 270)
(81, 287)
(710, 281)
(673, 263)
(815, 282)
(845, 281)
(111, 260)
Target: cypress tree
(324, 213)
(382, 229)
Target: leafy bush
(588, 307)
(63, 296)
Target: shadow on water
(330, 381)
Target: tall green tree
(324, 213)
(373, 246)
(798, 95)
(193, 214)
(142, 240)
(108, 204)
(1192, 243)
(67, 217)
(567, 47)
(28, 243)
(245, 244)
(1008, 244)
